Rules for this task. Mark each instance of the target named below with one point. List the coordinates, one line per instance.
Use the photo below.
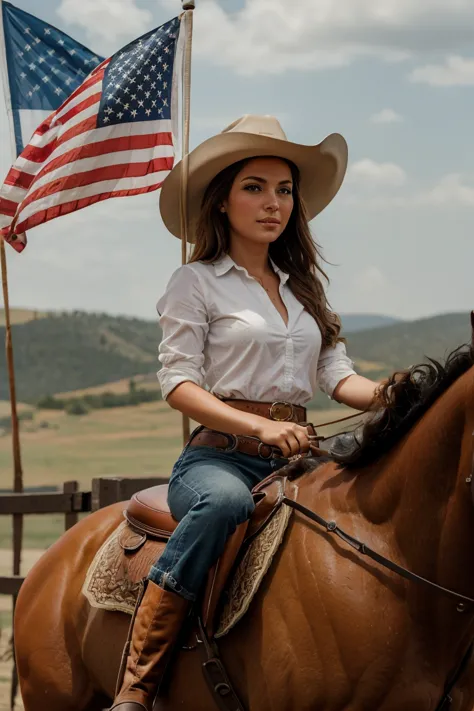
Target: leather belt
(234, 443)
(279, 410)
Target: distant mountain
(361, 322)
(403, 344)
(72, 351)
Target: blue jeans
(209, 494)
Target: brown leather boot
(156, 624)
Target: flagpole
(17, 466)
(18, 472)
(188, 7)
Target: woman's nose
(272, 203)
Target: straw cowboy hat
(322, 167)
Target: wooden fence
(71, 502)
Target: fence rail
(71, 502)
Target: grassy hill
(77, 350)
(64, 352)
(403, 344)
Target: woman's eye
(287, 191)
(250, 188)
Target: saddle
(150, 523)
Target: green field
(123, 441)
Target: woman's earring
(222, 208)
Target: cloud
(370, 280)
(270, 36)
(456, 71)
(108, 23)
(451, 190)
(368, 172)
(386, 116)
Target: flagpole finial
(188, 4)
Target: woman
(248, 318)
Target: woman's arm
(356, 391)
(338, 379)
(208, 410)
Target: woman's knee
(229, 502)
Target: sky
(394, 77)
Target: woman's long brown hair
(293, 252)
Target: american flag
(112, 137)
(44, 65)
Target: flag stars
(148, 112)
(27, 47)
(32, 66)
(58, 90)
(133, 112)
(61, 42)
(41, 60)
(47, 31)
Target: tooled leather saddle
(150, 523)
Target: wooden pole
(17, 466)
(188, 7)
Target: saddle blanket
(109, 586)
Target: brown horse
(329, 629)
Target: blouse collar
(223, 265)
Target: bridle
(214, 670)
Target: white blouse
(222, 332)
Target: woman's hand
(290, 437)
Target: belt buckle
(278, 410)
(233, 443)
(259, 450)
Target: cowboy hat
(322, 167)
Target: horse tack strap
(446, 701)
(363, 549)
(215, 675)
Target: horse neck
(421, 487)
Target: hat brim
(322, 169)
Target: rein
(332, 527)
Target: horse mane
(400, 402)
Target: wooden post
(71, 518)
(188, 7)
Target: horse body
(328, 630)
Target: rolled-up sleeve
(183, 318)
(333, 366)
